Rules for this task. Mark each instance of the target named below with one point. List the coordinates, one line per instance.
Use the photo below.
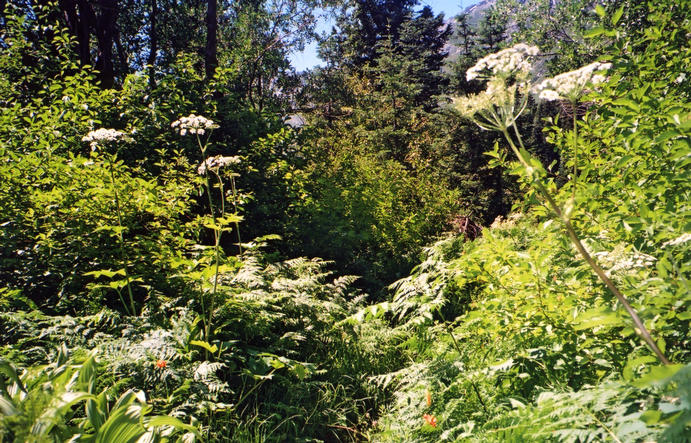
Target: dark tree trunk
(79, 19)
(105, 31)
(122, 54)
(210, 56)
(153, 44)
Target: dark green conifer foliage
(370, 22)
(493, 30)
(422, 41)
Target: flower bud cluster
(497, 94)
(507, 62)
(194, 124)
(683, 238)
(101, 135)
(570, 85)
(217, 162)
(620, 260)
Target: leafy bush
(40, 405)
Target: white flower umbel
(508, 73)
(496, 107)
(194, 124)
(505, 63)
(683, 238)
(570, 85)
(100, 136)
(217, 162)
(620, 260)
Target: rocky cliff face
(477, 11)
(475, 14)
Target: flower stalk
(123, 253)
(101, 137)
(495, 109)
(198, 126)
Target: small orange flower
(160, 364)
(429, 398)
(431, 420)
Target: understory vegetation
(477, 231)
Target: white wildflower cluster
(507, 72)
(497, 97)
(510, 61)
(194, 124)
(570, 85)
(501, 222)
(217, 162)
(620, 260)
(101, 135)
(683, 238)
(471, 104)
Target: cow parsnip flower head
(507, 73)
(100, 136)
(683, 238)
(496, 94)
(514, 61)
(217, 162)
(193, 124)
(496, 107)
(571, 85)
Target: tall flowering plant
(210, 169)
(508, 77)
(101, 138)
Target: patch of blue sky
(308, 58)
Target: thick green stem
(640, 328)
(123, 254)
(217, 243)
(235, 206)
(575, 151)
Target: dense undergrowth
(142, 297)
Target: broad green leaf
(9, 371)
(631, 365)
(7, 407)
(617, 16)
(651, 417)
(657, 375)
(211, 348)
(162, 420)
(123, 425)
(106, 272)
(94, 414)
(594, 32)
(594, 319)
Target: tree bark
(210, 55)
(153, 44)
(105, 32)
(78, 22)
